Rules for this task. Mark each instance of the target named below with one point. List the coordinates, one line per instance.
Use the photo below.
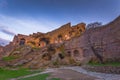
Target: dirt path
(101, 76)
(66, 74)
(31, 75)
(74, 73)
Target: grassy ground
(39, 77)
(8, 58)
(6, 74)
(105, 64)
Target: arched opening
(78, 27)
(46, 56)
(60, 38)
(22, 41)
(80, 30)
(51, 49)
(76, 53)
(69, 54)
(61, 56)
(39, 44)
(46, 40)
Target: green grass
(6, 74)
(105, 64)
(38, 77)
(35, 48)
(9, 58)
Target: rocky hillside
(102, 43)
(99, 44)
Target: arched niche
(22, 41)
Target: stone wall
(104, 69)
(1, 50)
(105, 40)
(59, 35)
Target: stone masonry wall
(105, 39)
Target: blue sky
(28, 16)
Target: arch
(61, 56)
(69, 53)
(80, 30)
(46, 40)
(46, 56)
(76, 53)
(22, 41)
(59, 36)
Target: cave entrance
(61, 56)
(46, 56)
(69, 53)
(22, 41)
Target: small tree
(94, 25)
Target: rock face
(66, 46)
(1, 50)
(104, 69)
(59, 35)
(105, 40)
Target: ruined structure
(65, 32)
(66, 46)
(97, 42)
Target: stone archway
(61, 56)
(46, 56)
(69, 53)
(22, 41)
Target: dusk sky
(28, 16)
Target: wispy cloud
(25, 25)
(3, 42)
(3, 3)
(6, 31)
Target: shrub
(9, 58)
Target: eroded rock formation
(65, 32)
(66, 46)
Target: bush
(9, 58)
(93, 60)
(71, 61)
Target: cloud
(25, 25)
(3, 42)
(6, 31)
(3, 3)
